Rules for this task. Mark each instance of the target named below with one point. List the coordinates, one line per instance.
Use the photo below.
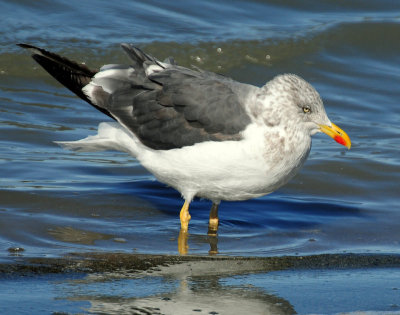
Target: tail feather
(72, 75)
(110, 136)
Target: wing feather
(167, 106)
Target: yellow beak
(337, 134)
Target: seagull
(202, 133)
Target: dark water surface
(54, 201)
(181, 285)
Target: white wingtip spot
(88, 90)
(152, 69)
(114, 73)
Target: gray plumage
(172, 108)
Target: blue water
(367, 291)
(54, 201)
(331, 292)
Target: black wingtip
(69, 73)
(28, 46)
(36, 50)
(25, 45)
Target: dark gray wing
(168, 106)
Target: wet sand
(118, 262)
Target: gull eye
(306, 109)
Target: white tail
(110, 136)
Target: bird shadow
(275, 209)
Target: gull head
(295, 100)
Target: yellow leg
(214, 221)
(183, 234)
(185, 217)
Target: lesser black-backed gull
(199, 132)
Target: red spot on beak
(340, 140)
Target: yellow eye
(306, 109)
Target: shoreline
(112, 262)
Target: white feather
(110, 136)
(88, 90)
(116, 74)
(153, 68)
(227, 170)
(109, 80)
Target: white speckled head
(290, 96)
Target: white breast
(229, 170)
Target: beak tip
(337, 134)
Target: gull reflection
(183, 247)
(192, 287)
